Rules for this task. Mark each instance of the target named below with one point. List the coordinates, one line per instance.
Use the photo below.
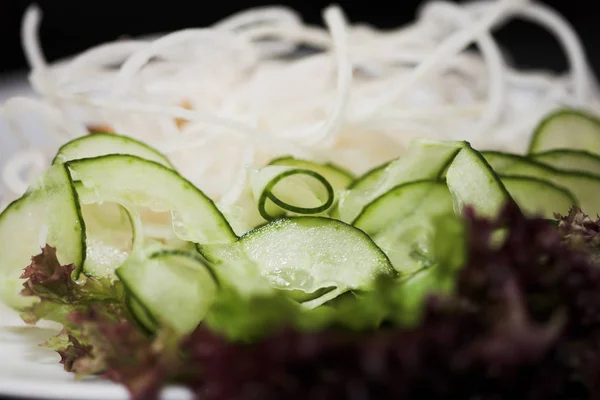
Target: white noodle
(225, 91)
(325, 131)
(259, 15)
(571, 44)
(451, 46)
(14, 168)
(492, 56)
(29, 32)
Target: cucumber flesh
(144, 223)
(50, 205)
(311, 253)
(100, 144)
(424, 159)
(306, 254)
(109, 238)
(338, 177)
(364, 182)
(140, 315)
(134, 182)
(570, 160)
(174, 287)
(400, 222)
(585, 187)
(369, 178)
(473, 182)
(539, 197)
(567, 129)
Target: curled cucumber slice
(279, 189)
(48, 213)
(135, 182)
(570, 160)
(567, 129)
(584, 186)
(473, 182)
(100, 144)
(369, 178)
(400, 222)
(170, 288)
(338, 177)
(424, 159)
(538, 196)
(313, 255)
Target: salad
(446, 270)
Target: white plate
(26, 369)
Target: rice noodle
(220, 100)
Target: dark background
(70, 26)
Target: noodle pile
(221, 100)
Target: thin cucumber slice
(570, 160)
(235, 270)
(278, 190)
(110, 237)
(539, 197)
(502, 162)
(473, 182)
(311, 253)
(305, 254)
(134, 182)
(425, 159)
(567, 129)
(401, 222)
(140, 315)
(338, 177)
(144, 223)
(143, 226)
(585, 187)
(48, 213)
(369, 178)
(100, 144)
(174, 287)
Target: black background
(70, 26)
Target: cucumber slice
(50, 205)
(145, 224)
(567, 129)
(134, 182)
(425, 159)
(369, 178)
(338, 177)
(306, 254)
(539, 197)
(100, 144)
(140, 315)
(280, 189)
(585, 187)
(109, 238)
(400, 222)
(570, 160)
(174, 287)
(472, 181)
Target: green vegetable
(50, 208)
(567, 129)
